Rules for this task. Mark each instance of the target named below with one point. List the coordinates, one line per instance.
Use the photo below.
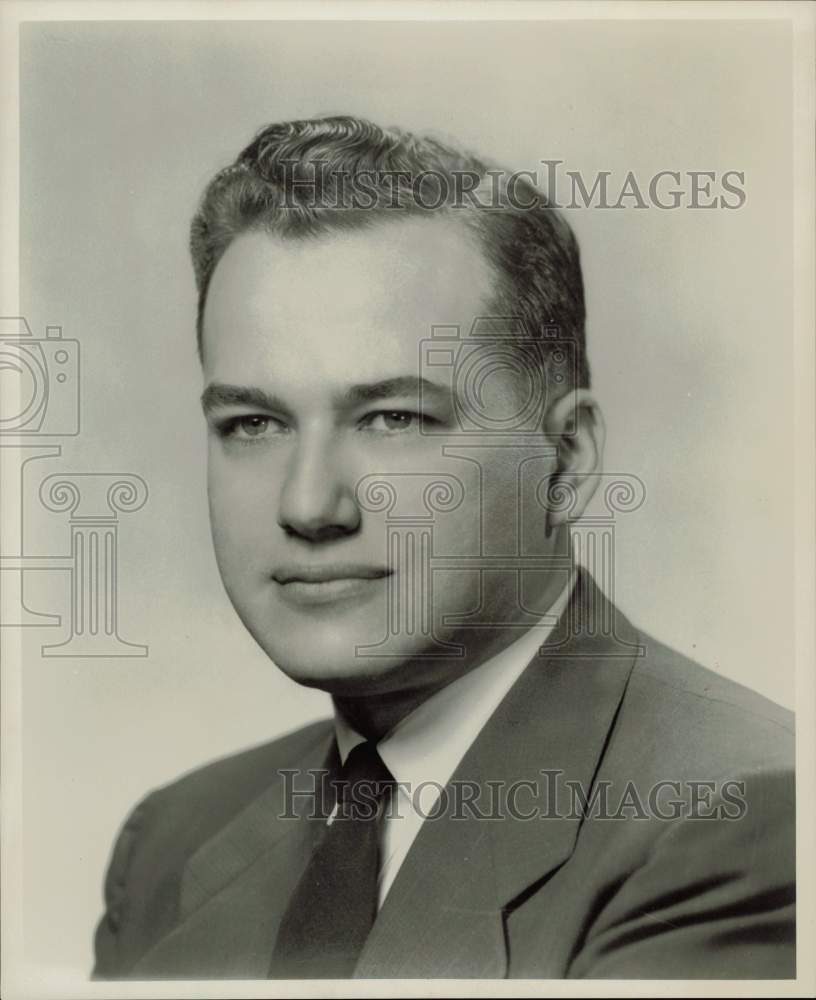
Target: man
(402, 439)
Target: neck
(375, 715)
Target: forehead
(342, 305)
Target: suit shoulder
(143, 882)
(689, 679)
(172, 821)
(683, 713)
(238, 777)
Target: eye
(250, 427)
(391, 420)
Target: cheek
(242, 513)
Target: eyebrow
(403, 385)
(219, 394)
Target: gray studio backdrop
(689, 332)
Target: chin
(317, 646)
(325, 659)
(320, 650)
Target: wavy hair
(301, 179)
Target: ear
(575, 424)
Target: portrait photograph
(407, 442)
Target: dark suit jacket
(203, 868)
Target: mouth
(315, 585)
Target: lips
(326, 574)
(310, 586)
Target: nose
(317, 500)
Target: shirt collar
(427, 744)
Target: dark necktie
(334, 904)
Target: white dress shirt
(423, 750)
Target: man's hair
(303, 179)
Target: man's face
(311, 352)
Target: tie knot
(363, 783)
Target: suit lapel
(236, 885)
(444, 915)
(440, 918)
